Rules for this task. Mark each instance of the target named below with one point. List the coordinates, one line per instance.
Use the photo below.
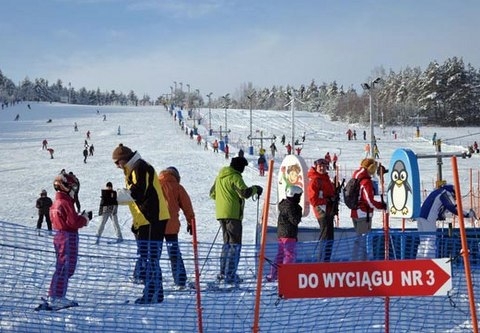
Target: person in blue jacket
(433, 209)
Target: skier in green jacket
(229, 192)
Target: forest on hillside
(445, 94)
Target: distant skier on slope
(85, 154)
(51, 151)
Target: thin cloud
(180, 9)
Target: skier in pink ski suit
(66, 222)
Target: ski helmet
(66, 183)
(293, 190)
(44, 192)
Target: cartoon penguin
(399, 188)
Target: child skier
(66, 221)
(289, 216)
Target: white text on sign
(364, 279)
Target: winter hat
(122, 153)
(239, 163)
(174, 172)
(449, 188)
(369, 164)
(109, 184)
(44, 192)
(241, 153)
(293, 190)
(321, 161)
(294, 193)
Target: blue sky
(219, 45)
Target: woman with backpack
(363, 212)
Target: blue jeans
(176, 261)
(232, 246)
(149, 250)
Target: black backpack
(351, 193)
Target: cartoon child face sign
(293, 172)
(294, 176)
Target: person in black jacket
(289, 216)
(43, 205)
(108, 209)
(85, 154)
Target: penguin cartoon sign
(403, 191)
(293, 171)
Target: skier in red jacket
(321, 195)
(362, 216)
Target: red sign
(430, 277)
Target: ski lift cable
(462, 136)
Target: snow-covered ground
(26, 168)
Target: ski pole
(258, 208)
(210, 250)
(315, 249)
(197, 276)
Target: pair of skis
(220, 286)
(214, 286)
(46, 306)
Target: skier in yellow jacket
(149, 209)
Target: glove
(320, 212)
(134, 230)
(123, 196)
(258, 189)
(189, 226)
(470, 214)
(473, 214)
(88, 214)
(384, 206)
